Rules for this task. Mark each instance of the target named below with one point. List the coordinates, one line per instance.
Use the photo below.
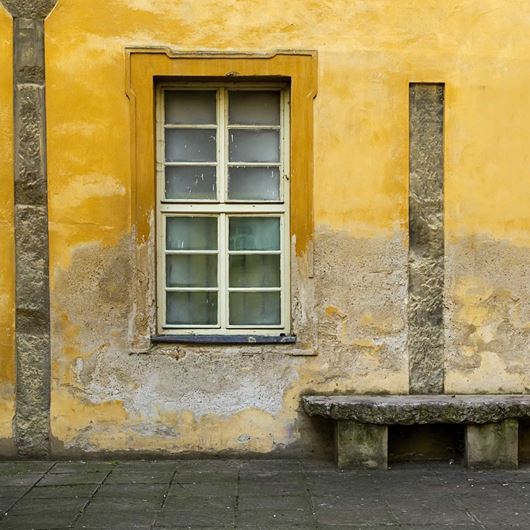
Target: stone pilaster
(426, 239)
(32, 312)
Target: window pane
(191, 270)
(254, 107)
(254, 233)
(258, 183)
(191, 145)
(191, 182)
(255, 309)
(191, 233)
(190, 107)
(254, 145)
(255, 270)
(196, 308)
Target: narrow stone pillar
(493, 445)
(426, 239)
(363, 445)
(32, 305)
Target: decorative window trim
(146, 66)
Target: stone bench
(361, 424)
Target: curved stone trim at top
(419, 409)
(29, 8)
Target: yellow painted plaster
(7, 359)
(369, 51)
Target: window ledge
(224, 339)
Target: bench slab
(419, 409)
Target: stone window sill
(223, 339)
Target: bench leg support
(492, 445)
(361, 445)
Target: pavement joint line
(392, 514)
(236, 513)
(89, 500)
(5, 512)
(166, 494)
(469, 513)
(308, 493)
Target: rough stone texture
(361, 445)
(29, 8)
(33, 395)
(409, 410)
(30, 172)
(32, 337)
(426, 239)
(493, 445)
(29, 56)
(487, 333)
(32, 312)
(32, 299)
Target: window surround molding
(144, 66)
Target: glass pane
(254, 108)
(191, 145)
(190, 107)
(258, 309)
(191, 182)
(191, 270)
(254, 145)
(197, 308)
(191, 233)
(255, 271)
(254, 183)
(254, 233)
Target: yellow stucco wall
(7, 362)
(105, 397)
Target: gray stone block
(29, 52)
(30, 166)
(426, 241)
(410, 410)
(33, 395)
(361, 445)
(493, 445)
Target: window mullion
(223, 257)
(221, 144)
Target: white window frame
(221, 208)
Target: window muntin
(223, 223)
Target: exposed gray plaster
(32, 311)
(426, 239)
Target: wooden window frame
(147, 67)
(222, 209)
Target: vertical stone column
(32, 311)
(426, 238)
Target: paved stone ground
(258, 494)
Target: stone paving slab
(258, 494)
